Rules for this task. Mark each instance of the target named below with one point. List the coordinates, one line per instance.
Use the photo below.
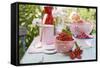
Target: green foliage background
(29, 12)
(26, 14)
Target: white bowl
(84, 27)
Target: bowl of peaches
(80, 26)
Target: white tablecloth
(34, 55)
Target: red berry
(72, 55)
(78, 56)
(63, 36)
(81, 51)
(82, 35)
(76, 53)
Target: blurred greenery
(29, 12)
(26, 14)
(88, 14)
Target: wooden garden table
(33, 55)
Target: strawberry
(82, 35)
(75, 53)
(63, 36)
(72, 55)
(78, 57)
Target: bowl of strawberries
(64, 42)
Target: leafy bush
(26, 14)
